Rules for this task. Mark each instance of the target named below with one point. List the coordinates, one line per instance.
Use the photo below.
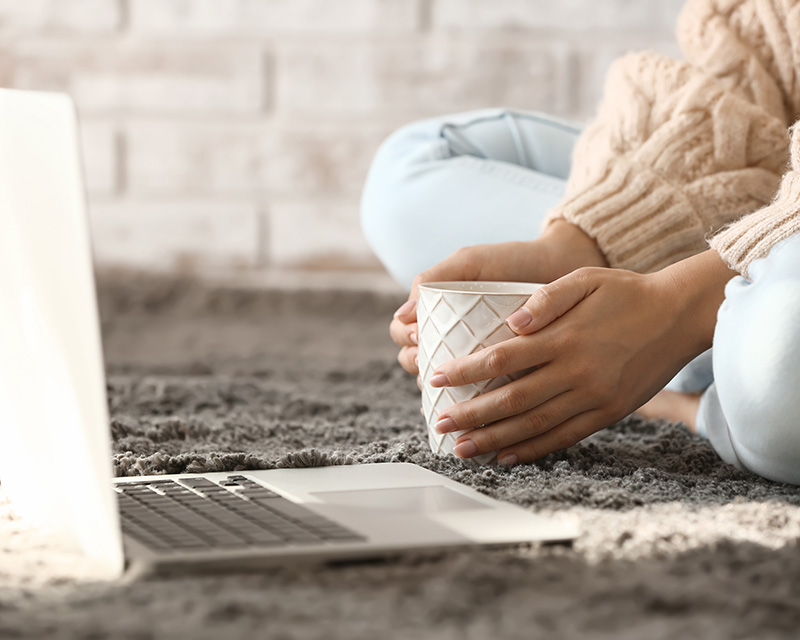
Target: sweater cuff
(639, 220)
(754, 235)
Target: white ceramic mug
(456, 319)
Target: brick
(594, 64)
(430, 77)
(565, 14)
(85, 15)
(320, 234)
(99, 146)
(179, 158)
(122, 75)
(24, 16)
(187, 237)
(186, 17)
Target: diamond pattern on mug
(444, 400)
(461, 340)
(443, 315)
(482, 319)
(440, 355)
(452, 323)
(464, 392)
(503, 332)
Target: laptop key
(259, 492)
(197, 513)
(284, 507)
(198, 483)
(144, 537)
(264, 538)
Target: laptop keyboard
(193, 514)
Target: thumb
(551, 301)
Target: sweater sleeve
(678, 149)
(752, 236)
(772, 30)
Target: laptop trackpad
(435, 499)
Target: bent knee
(757, 372)
(394, 206)
(406, 190)
(397, 159)
(766, 442)
(406, 147)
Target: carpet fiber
(675, 543)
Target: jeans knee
(393, 203)
(757, 369)
(760, 404)
(385, 177)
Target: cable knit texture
(754, 235)
(679, 149)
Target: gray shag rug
(675, 543)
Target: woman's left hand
(604, 341)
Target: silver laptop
(55, 449)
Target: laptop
(55, 444)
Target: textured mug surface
(456, 319)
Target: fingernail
(465, 449)
(508, 460)
(406, 307)
(520, 319)
(413, 337)
(440, 380)
(416, 361)
(445, 425)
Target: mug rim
(482, 287)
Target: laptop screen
(55, 444)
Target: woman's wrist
(569, 248)
(695, 288)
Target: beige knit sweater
(680, 150)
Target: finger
(407, 312)
(561, 437)
(464, 264)
(519, 428)
(404, 334)
(553, 300)
(450, 268)
(500, 359)
(522, 395)
(408, 359)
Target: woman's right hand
(562, 248)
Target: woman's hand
(561, 248)
(604, 342)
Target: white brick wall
(49, 16)
(181, 237)
(273, 17)
(99, 143)
(211, 158)
(129, 76)
(569, 15)
(236, 134)
(318, 234)
(425, 76)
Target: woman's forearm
(697, 287)
(599, 343)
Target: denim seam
(501, 115)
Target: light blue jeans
(492, 175)
(471, 178)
